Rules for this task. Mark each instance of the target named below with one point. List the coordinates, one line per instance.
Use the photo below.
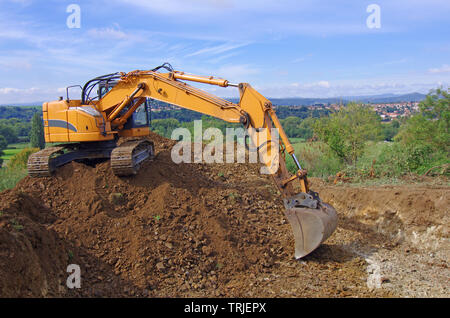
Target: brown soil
(203, 230)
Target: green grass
(12, 149)
(319, 162)
(10, 177)
(295, 140)
(372, 152)
(314, 158)
(16, 225)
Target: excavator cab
(140, 118)
(105, 87)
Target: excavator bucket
(312, 222)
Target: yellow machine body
(72, 122)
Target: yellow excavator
(116, 105)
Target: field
(216, 230)
(12, 150)
(9, 177)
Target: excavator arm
(312, 220)
(254, 111)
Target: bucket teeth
(310, 226)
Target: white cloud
(443, 69)
(110, 33)
(16, 96)
(393, 62)
(321, 84)
(213, 50)
(177, 6)
(235, 73)
(15, 63)
(220, 58)
(324, 84)
(9, 90)
(22, 2)
(210, 37)
(204, 8)
(348, 88)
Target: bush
(3, 142)
(20, 159)
(431, 125)
(399, 159)
(37, 138)
(316, 158)
(347, 131)
(9, 177)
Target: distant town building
(387, 111)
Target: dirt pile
(405, 234)
(170, 229)
(32, 257)
(417, 214)
(173, 230)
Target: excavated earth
(215, 230)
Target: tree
(431, 126)
(164, 127)
(347, 131)
(3, 145)
(306, 128)
(424, 139)
(37, 139)
(20, 159)
(3, 142)
(391, 129)
(290, 125)
(9, 133)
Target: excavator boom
(95, 124)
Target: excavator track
(40, 163)
(43, 163)
(127, 158)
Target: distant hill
(23, 104)
(294, 101)
(388, 98)
(24, 113)
(374, 99)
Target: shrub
(316, 158)
(20, 159)
(347, 131)
(10, 177)
(398, 159)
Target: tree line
(21, 125)
(420, 143)
(341, 140)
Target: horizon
(344, 99)
(286, 49)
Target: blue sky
(283, 48)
